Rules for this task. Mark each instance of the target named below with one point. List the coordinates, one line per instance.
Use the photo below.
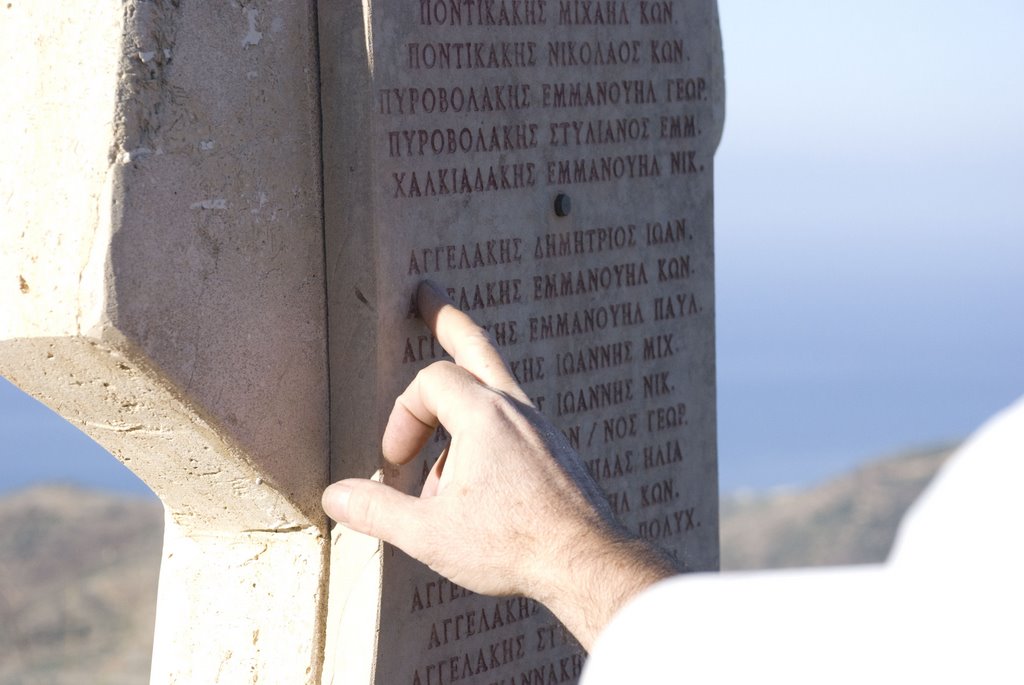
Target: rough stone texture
(161, 286)
(605, 312)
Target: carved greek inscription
(599, 131)
(563, 670)
(438, 258)
(475, 110)
(422, 348)
(463, 180)
(585, 242)
(589, 13)
(472, 55)
(668, 525)
(684, 162)
(554, 635)
(477, 662)
(657, 385)
(565, 172)
(503, 333)
(678, 306)
(527, 370)
(678, 126)
(665, 418)
(671, 231)
(658, 346)
(484, 105)
(619, 428)
(465, 140)
(482, 99)
(658, 492)
(618, 465)
(483, 12)
(436, 592)
(595, 279)
(488, 294)
(584, 321)
(595, 396)
(619, 501)
(594, 358)
(662, 454)
(676, 268)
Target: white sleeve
(919, 618)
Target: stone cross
(215, 217)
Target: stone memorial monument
(549, 163)
(215, 217)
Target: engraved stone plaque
(550, 163)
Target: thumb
(376, 510)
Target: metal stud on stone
(563, 205)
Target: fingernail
(335, 502)
(437, 290)
(430, 297)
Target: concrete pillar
(162, 287)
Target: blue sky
(869, 230)
(869, 242)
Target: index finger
(441, 394)
(468, 344)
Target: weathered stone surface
(161, 286)
(551, 164)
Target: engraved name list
(549, 163)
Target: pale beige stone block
(161, 286)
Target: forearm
(602, 572)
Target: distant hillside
(78, 569)
(851, 519)
(78, 576)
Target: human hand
(508, 508)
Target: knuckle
(496, 403)
(434, 371)
(362, 509)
